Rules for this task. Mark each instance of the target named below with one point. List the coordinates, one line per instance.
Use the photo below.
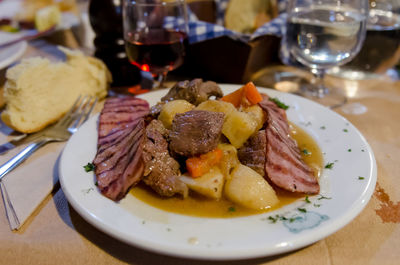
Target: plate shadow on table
(131, 254)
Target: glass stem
(160, 80)
(319, 83)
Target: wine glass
(156, 35)
(321, 34)
(381, 49)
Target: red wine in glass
(157, 50)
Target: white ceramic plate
(10, 54)
(348, 186)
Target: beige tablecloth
(56, 234)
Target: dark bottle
(106, 21)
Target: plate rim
(23, 45)
(319, 233)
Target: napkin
(31, 182)
(25, 187)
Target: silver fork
(58, 132)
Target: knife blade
(30, 35)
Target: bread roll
(38, 92)
(246, 16)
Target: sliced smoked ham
(284, 166)
(118, 162)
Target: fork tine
(76, 113)
(80, 111)
(70, 111)
(84, 113)
(87, 114)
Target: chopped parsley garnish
(89, 167)
(96, 183)
(87, 190)
(307, 200)
(279, 103)
(361, 178)
(317, 205)
(322, 127)
(348, 150)
(329, 165)
(276, 218)
(345, 130)
(303, 210)
(231, 209)
(306, 123)
(272, 219)
(306, 152)
(322, 197)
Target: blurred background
(232, 53)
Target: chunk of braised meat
(284, 165)
(252, 153)
(161, 171)
(195, 91)
(155, 110)
(195, 132)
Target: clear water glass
(321, 34)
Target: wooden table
(56, 234)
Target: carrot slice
(251, 93)
(199, 165)
(248, 91)
(235, 97)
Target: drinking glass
(381, 49)
(321, 34)
(156, 35)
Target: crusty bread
(246, 16)
(38, 92)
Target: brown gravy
(197, 205)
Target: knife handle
(20, 157)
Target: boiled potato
(229, 159)
(171, 108)
(248, 188)
(210, 184)
(238, 127)
(217, 106)
(257, 114)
